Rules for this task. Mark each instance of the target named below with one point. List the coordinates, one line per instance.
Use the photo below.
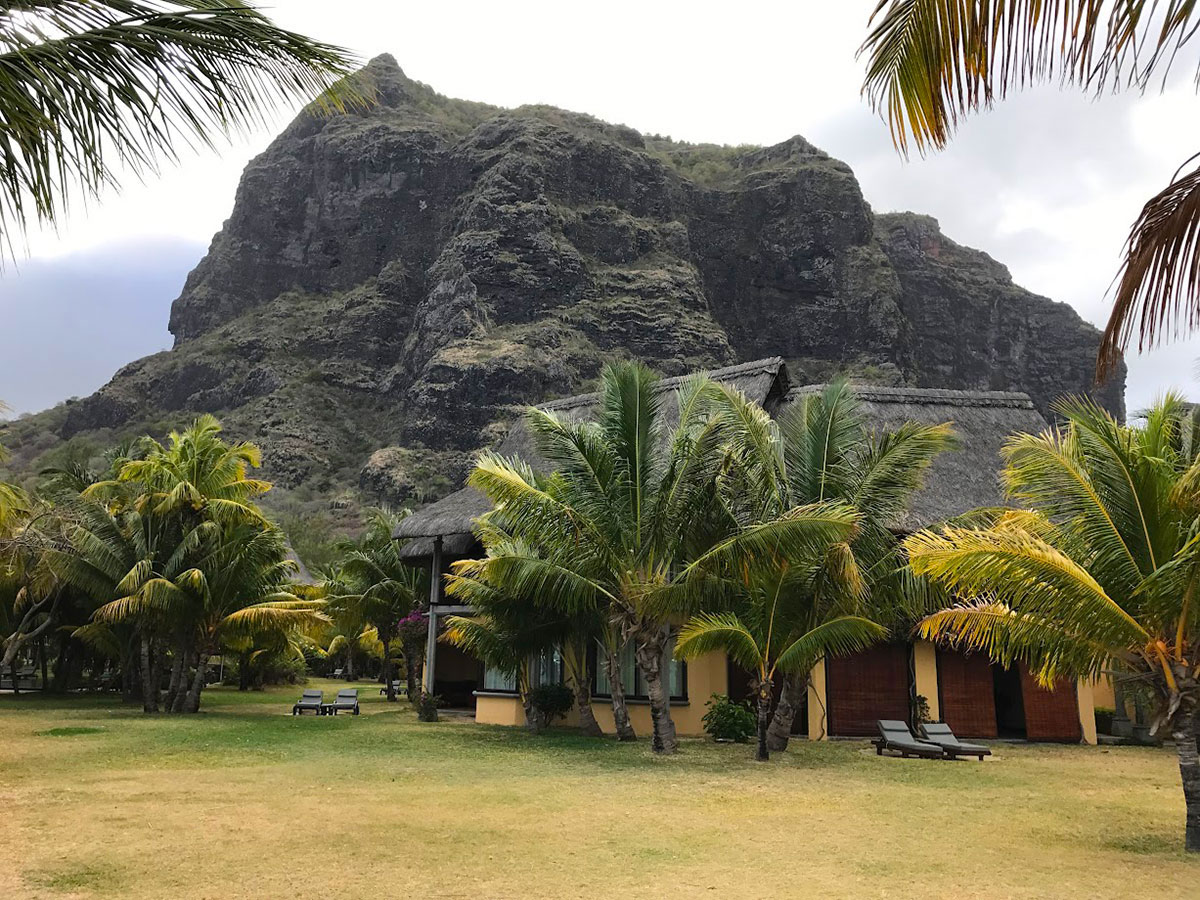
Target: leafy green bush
(727, 720)
(553, 701)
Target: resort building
(845, 696)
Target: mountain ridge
(391, 285)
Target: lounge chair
(337, 673)
(940, 734)
(397, 687)
(309, 700)
(346, 701)
(895, 737)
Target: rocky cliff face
(392, 283)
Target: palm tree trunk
(533, 718)
(621, 721)
(650, 662)
(63, 665)
(176, 677)
(764, 718)
(12, 671)
(790, 698)
(193, 694)
(350, 676)
(149, 688)
(1186, 735)
(387, 670)
(42, 662)
(244, 671)
(581, 686)
(181, 694)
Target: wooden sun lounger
(397, 687)
(346, 701)
(310, 700)
(895, 737)
(940, 734)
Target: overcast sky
(1048, 183)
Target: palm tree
(88, 87)
(196, 475)
(13, 501)
(118, 555)
(789, 611)
(931, 62)
(1101, 571)
(236, 587)
(629, 503)
(380, 587)
(821, 450)
(509, 629)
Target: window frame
(634, 693)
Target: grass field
(245, 801)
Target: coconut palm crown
(1099, 571)
(788, 612)
(629, 505)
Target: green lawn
(245, 801)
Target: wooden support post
(435, 595)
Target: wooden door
(1050, 715)
(866, 687)
(966, 694)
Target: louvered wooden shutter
(1050, 715)
(966, 694)
(865, 687)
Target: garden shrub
(728, 720)
(552, 701)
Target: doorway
(1010, 702)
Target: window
(495, 680)
(548, 667)
(676, 671)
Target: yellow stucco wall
(925, 674)
(1102, 691)
(1087, 710)
(498, 710)
(818, 725)
(706, 675)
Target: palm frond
(805, 532)
(840, 636)
(1009, 637)
(90, 86)
(1027, 574)
(930, 62)
(719, 631)
(1158, 285)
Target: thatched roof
(763, 381)
(959, 480)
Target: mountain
(393, 284)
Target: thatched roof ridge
(762, 380)
(925, 396)
(755, 379)
(959, 480)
